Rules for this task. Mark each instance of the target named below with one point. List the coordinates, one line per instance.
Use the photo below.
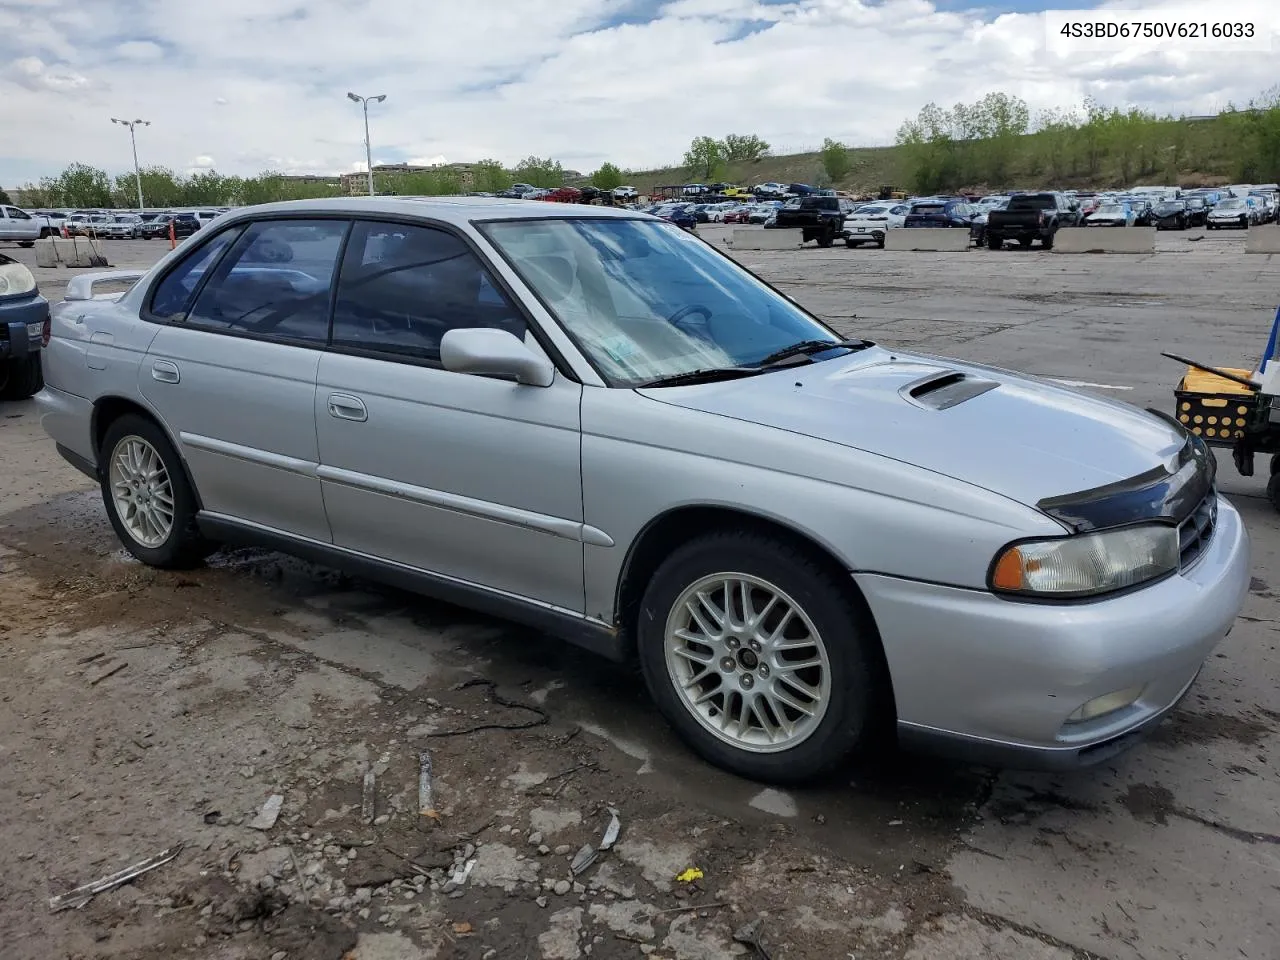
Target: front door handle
(346, 407)
(165, 371)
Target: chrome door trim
(484, 509)
(250, 454)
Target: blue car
(24, 319)
(941, 212)
(683, 215)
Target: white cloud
(260, 84)
(427, 161)
(203, 162)
(142, 50)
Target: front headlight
(1087, 564)
(15, 279)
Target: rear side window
(275, 281)
(172, 297)
(403, 287)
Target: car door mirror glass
(488, 352)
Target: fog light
(1107, 703)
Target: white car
(123, 226)
(19, 226)
(869, 223)
(625, 194)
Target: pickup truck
(1032, 216)
(19, 226)
(820, 218)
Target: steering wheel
(677, 319)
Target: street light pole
(368, 151)
(137, 172)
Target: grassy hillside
(872, 167)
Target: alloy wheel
(141, 491)
(747, 662)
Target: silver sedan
(591, 421)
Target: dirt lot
(144, 710)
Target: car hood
(1023, 438)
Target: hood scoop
(945, 389)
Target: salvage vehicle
(24, 330)
(19, 226)
(1111, 215)
(1030, 217)
(1171, 215)
(870, 222)
(1229, 214)
(591, 421)
(819, 218)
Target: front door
(233, 370)
(473, 478)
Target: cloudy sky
(247, 85)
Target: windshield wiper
(806, 347)
(708, 375)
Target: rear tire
(1047, 242)
(1273, 490)
(1024, 243)
(829, 637)
(994, 243)
(22, 378)
(26, 243)
(161, 481)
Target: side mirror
(487, 352)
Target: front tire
(1047, 242)
(760, 657)
(148, 499)
(994, 243)
(1273, 490)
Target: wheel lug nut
(764, 669)
(733, 643)
(747, 681)
(755, 645)
(728, 664)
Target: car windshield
(1231, 205)
(1110, 210)
(869, 211)
(1169, 206)
(645, 300)
(928, 208)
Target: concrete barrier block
(941, 239)
(1105, 240)
(1263, 240)
(784, 239)
(74, 252)
(46, 253)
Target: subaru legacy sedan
(591, 421)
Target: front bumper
(23, 321)
(993, 680)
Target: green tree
(835, 160)
(4, 197)
(38, 195)
(743, 147)
(704, 158)
(81, 185)
(1000, 122)
(607, 177)
(539, 172)
(489, 176)
(207, 187)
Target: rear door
(232, 371)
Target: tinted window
(404, 287)
(173, 294)
(17, 214)
(275, 281)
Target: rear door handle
(165, 371)
(346, 407)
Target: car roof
(456, 210)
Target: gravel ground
(147, 709)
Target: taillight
(46, 331)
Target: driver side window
(275, 282)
